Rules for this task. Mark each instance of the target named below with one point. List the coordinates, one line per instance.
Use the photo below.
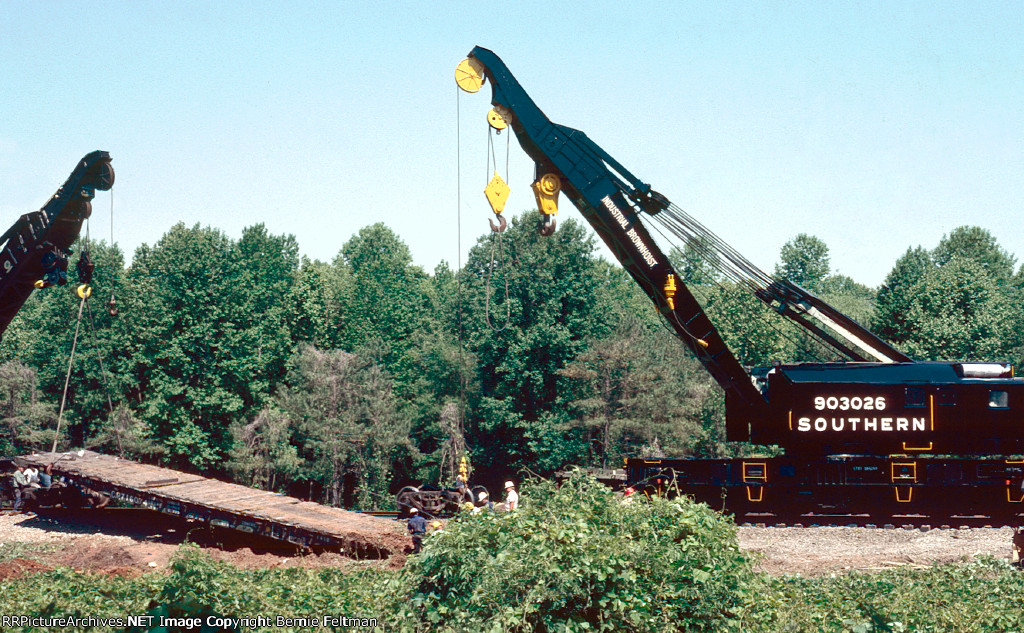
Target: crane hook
(500, 226)
(546, 226)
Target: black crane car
(870, 438)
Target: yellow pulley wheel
(549, 184)
(84, 291)
(495, 120)
(469, 74)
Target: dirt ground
(815, 551)
(130, 542)
(133, 542)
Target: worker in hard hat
(511, 496)
(417, 526)
(482, 503)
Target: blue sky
(876, 126)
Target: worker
(1017, 553)
(417, 526)
(484, 502)
(627, 494)
(32, 475)
(462, 488)
(511, 496)
(20, 482)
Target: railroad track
(894, 522)
(383, 514)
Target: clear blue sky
(875, 126)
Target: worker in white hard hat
(511, 496)
(417, 527)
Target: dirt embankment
(132, 542)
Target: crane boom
(34, 251)
(610, 198)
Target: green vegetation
(29, 551)
(342, 381)
(574, 558)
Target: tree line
(340, 381)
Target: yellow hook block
(84, 291)
(497, 193)
(546, 189)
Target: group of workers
(417, 524)
(27, 478)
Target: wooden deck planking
(175, 492)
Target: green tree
(262, 342)
(892, 304)
(389, 299)
(553, 305)
(192, 358)
(751, 329)
(126, 436)
(314, 306)
(636, 390)
(976, 244)
(956, 302)
(264, 455)
(27, 423)
(347, 422)
(958, 312)
(853, 299)
(804, 260)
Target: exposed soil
(129, 542)
(132, 542)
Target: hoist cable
(710, 256)
(733, 265)
(789, 330)
(497, 243)
(67, 379)
(99, 356)
(458, 234)
(497, 239)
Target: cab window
(998, 399)
(915, 397)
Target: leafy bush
(199, 586)
(580, 557)
(979, 595)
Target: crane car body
(876, 438)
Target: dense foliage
(579, 558)
(341, 381)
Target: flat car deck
(223, 504)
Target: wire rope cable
(497, 244)
(67, 379)
(734, 267)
